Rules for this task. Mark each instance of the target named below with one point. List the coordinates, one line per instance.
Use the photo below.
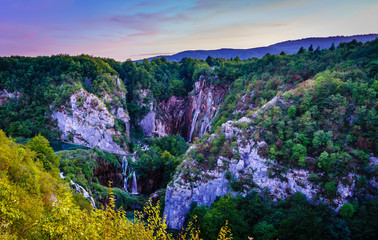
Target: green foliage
(264, 231)
(293, 218)
(330, 189)
(299, 153)
(329, 117)
(313, 178)
(159, 162)
(36, 205)
(162, 77)
(210, 220)
(91, 167)
(323, 160)
(363, 223)
(329, 109)
(292, 111)
(45, 83)
(45, 154)
(347, 210)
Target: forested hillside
(289, 47)
(283, 146)
(36, 204)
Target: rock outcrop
(5, 96)
(87, 121)
(189, 116)
(122, 115)
(248, 168)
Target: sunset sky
(133, 29)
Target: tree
(323, 160)
(264, 231)
(299, 153)
(331, 189)
(301, 50)
(347, 210)
(292, 111)
(45, 154)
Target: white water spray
(80, 189)
(134, 186)
(134, 189)
(124, 171)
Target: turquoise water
(60, 146)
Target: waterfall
(80, 189)
(124, 171)
(206, 120)
(134, 189)
(195, 116)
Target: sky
(131, 29)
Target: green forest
(327, 123)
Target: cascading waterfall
(206, 120)
(124, 171)
(196, 112)
(134, 187)
(80, 189)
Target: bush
(347, 210)
(330, 189)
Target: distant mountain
(288, 47)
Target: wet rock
(188, 117)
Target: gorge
(276, 141)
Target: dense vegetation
(326, 123)
(293, 218)
(36, 204)
(58, 76)
(159, 162)
(46, 82)
(93, 169)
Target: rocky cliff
(241, 169)
(87, 121)
(189, 116)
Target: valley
(254, 146)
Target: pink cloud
(148, 24)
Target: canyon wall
(248, 168)
(189, 116)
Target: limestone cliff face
(121, 114)
(172, 117)
(87, 121)
(189, 116)
(204, 104)
(248, 167)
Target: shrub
(347, 210)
